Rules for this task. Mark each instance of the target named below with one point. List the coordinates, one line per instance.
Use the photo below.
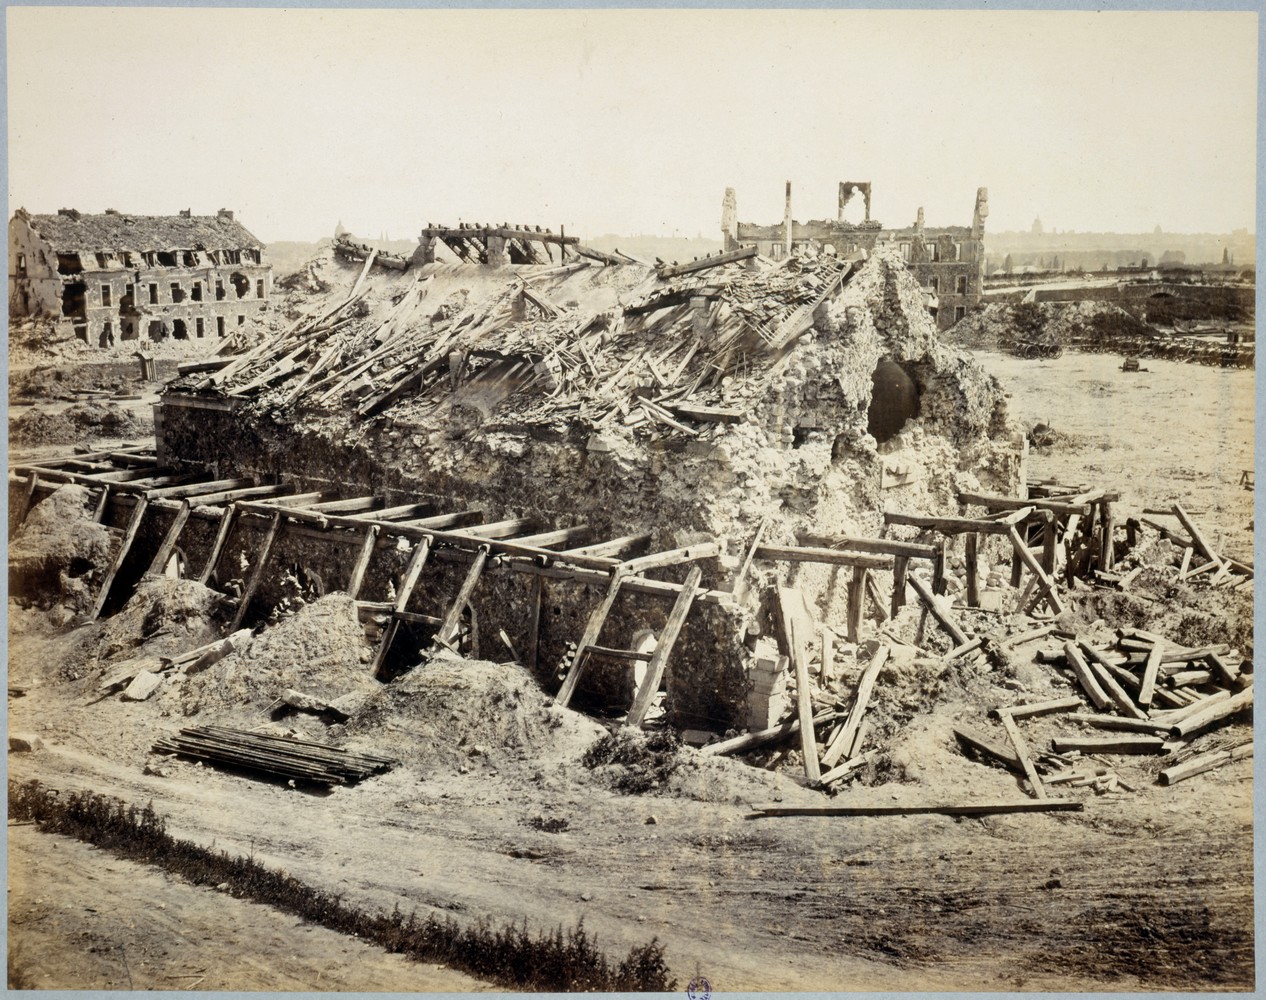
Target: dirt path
(82, 919)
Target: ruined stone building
(948, 262)
(115, 277)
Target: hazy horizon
(634, 121)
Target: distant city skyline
(634, 121)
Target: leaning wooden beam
(842, 744)
(763, 737)
(412, 573)
(129, 536)
(1116, 722)
(982, 744)
(672, 557)
(453, 618)
(1089, 683)
(899, 568)
(1149, 674)
(1204, 762)
(457, 519)
(834, 557)
(1022, 754)
(1201, 543)
(1044, 582)
(739, 587)
(28, 498)
(929, 601)
(716, 260)
(1214, 713)
(257, 571)
(168, 544)
(965, 809)
(664, 647)
(357, 579)
(217, 547)
(804, 705)
(103, 501)
(593, 629)
(1104, 674)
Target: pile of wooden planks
(276, 756)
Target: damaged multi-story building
(947, 262)
(114, 277)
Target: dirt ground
(1147, 890)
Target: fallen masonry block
(24, 743)
(142, 686)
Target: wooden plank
(672, 557)
(1108, 744)
(1116, 722)
(1214, 713)
(168, 544)
(217, 547)
(457, 519)
(844, 740)
(1197, 536)
(1114, 690)
(950, 627)
(850, 766)
(804, 705)
(663, 648)
(593, 629)
(617, 547)
(833, 557)
(963, 809)
(248, 493)
(955, 525)
(982, 744)
(534, 621)
(1148, 685)
(856, 602)
(193, 489)
(1088, 681)
(1044, 582)
(739, 587)
(716, 260)
(559, 536)
(499, 529)
(1186, 562)
(103, 501)
(1022, 753)
(1204, 762)
(257, 571)
(129, 536)
(354, 505)
(875, 546)
(995, 503)
(412, 573)
(1037, 708)
(971, 559)
(763, 737)
(900, 566)
(453, 618)
(28, 498)
(357, 579)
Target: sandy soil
(1144, 891)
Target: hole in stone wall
(157, 330)
(73, 298)
(241, 284)
(894, 400)
(178, 329)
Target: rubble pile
(58, 553)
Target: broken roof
(110, 231)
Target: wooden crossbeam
(355, 505)
(401, 513)
(129, 536)
(560, 536)
(663, 648)
(257, 571)
(834, 557)
(616, 547)
(995, 503)
(878, 546)
(247, 493)
(593, 629)
(168, 544)
(103, 500)
(457, 519)
(499, 529)
(956, 525)
(193, 489)
(672, 557)
(412, 574)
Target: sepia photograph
(685, 501)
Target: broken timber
(655, 670)
(962, 809)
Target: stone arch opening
(894, 400)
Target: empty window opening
(148, 257)
(195, 293)
(241, 284)
(905, 251)
(189, 258)
(21, 264)
(934, 284)
(219, 290)
(73, 296)
(68, 263)
(894, 400)
(157, 330)
(166, 258)
(219, 326)
(932, 253)
(81, 331)
(178, 330)
(153, 294)
(259, 288)
(107, 335)
(198, 329)
(962, 284)
(241, 320)
(105, 295)
(129, 331)
(959, 312)
(177, 292)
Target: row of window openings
(195, 293)
(932, 252)
(960, 285)
(180, 331)
(72, 263)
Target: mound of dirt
(60, 553)
(166, 617)
(77, 423)
(320, 650)
(450, 710)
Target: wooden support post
(1149, 674)
(1017, 569)
(1043, 581)
(1131, 533)
(843, 742)
(217, 547)
(970, 543)
(880, 611)
(1197, 536)
(357, 579)
(168, 545)
(938, 568)
(1186, 562)
(593, 629)
(27, 499)
(412, 573)
(899, 567)
(804, 707)
(1022, 752)
(257, 571)
(856, 602)
(534, 621)
(1048, 546)
(453, 619)
(1106, 553)
(739, 587)
(134, 525)
(103, 501)
(672, 629)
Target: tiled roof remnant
(110, 231)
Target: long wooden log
(804, 705)
(961, 809)
(1197, 536)
(168, 544)
(664, 647)
(412, 574)
(257, 571)
(453, 618)
(875, 546)
(951, 628)
(1085, 678)
(1036, 708)
(593, 629)
(1108, 744)
(217, 547)
(1044, 582)
(673, 557)
(833, 557)
(129, 536)
(357, 579)
(982, 744)
(763, 737)
(1117, 722)
(1150, 669)
(1204, 762)
(1214, 713)
(993, 503)
(1022, 753)
(1114, 691)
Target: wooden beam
(663, 648)
(1044, 582)
(457, 519)
(217, 547)
(248, 493)
(1037, 708)
(672, 557)
(1205, 762)
(593, 629)
(995, 503)
(983, 745)
(257, 571)
(357, 579)
(972, 562)
(28, 498)
(1197, 536)
(856, 602)
(1152, 667)
(193, 489)
(498, 529)
(899, 567)
(453, 618)
(129, 536)
(715, 260)
(615, 547)
(560, 536)
(1089, 683)
(1108, 744)
(1214, 713)
(877, 546)
(843, 743)
(168, 544)
(354, 505)
(832, 557)
(965, 809)
(956, 525)
(412, 573)
(103, 500)
(951, 628)
(1022, 754)
(739, 587)
(804, 704)
(534, 621)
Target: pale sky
(633, 121)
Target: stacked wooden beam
(277, 756)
